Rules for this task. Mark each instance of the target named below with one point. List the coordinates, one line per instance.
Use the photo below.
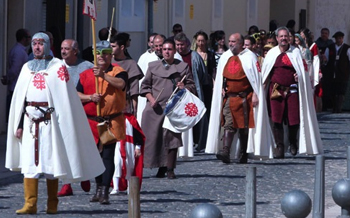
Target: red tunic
(236, 82)
(285, 107)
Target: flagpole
(95, 64)
(110, 27)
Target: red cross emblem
(191, 109)
(258, 66)
(63, 73)
(286, 61)
(39, 81)
(234, 67)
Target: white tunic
(67, 149)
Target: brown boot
(171, 174)
(104, 199)
(30, 196)
(243, 138)
(279, 139)
(98, 193)
(52, 200)
(224, 154)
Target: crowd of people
(253, 88)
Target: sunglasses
(103, 51)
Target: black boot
(243, 138)
(161, 172)
(224, 154)
(278, 134)
(104, 199)
(97, 195)
(293, 133)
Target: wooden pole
(134, 198)
(95, 64)
(110, 27)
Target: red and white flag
(89, 8)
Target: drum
(184, 110)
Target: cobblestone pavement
(203, 179)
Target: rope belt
(37, 121)
(104, 118)
(243, 95)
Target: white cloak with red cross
(67, 149)
(260, 138)
(126, 165)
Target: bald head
(158, 44)
(236, 42)
(69, 51)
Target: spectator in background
(102, 35)
(217, 44)
(291, 25)
(253, 29)
(17, 57)
(200, 45)
(323, 44)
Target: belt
(293, 88)
(37, 104)
(36, 136)
(37, 121)
(104, 118)
(243, 95)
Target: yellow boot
(30, 196)
(52, 200)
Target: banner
(89, 8)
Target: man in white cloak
(48, 132)
(306, 121)
(260, 141)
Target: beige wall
(264, 14)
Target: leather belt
(243, 95)
(37, 104)
(104, 118)
(37, 121)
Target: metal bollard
(318, 208)
(341, 196)
(134, 198)
(296, 204)
(206, 211)
(250, 197)
(348, 161)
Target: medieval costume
(161, 80)
(126, 164)
(294, 97)
(74, 71)
(134, 76)
(56, 139)
(112, 104)
(260, 140)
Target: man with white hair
(75, 66)
(290, 98)
(48, 132)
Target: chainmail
(37, 65)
